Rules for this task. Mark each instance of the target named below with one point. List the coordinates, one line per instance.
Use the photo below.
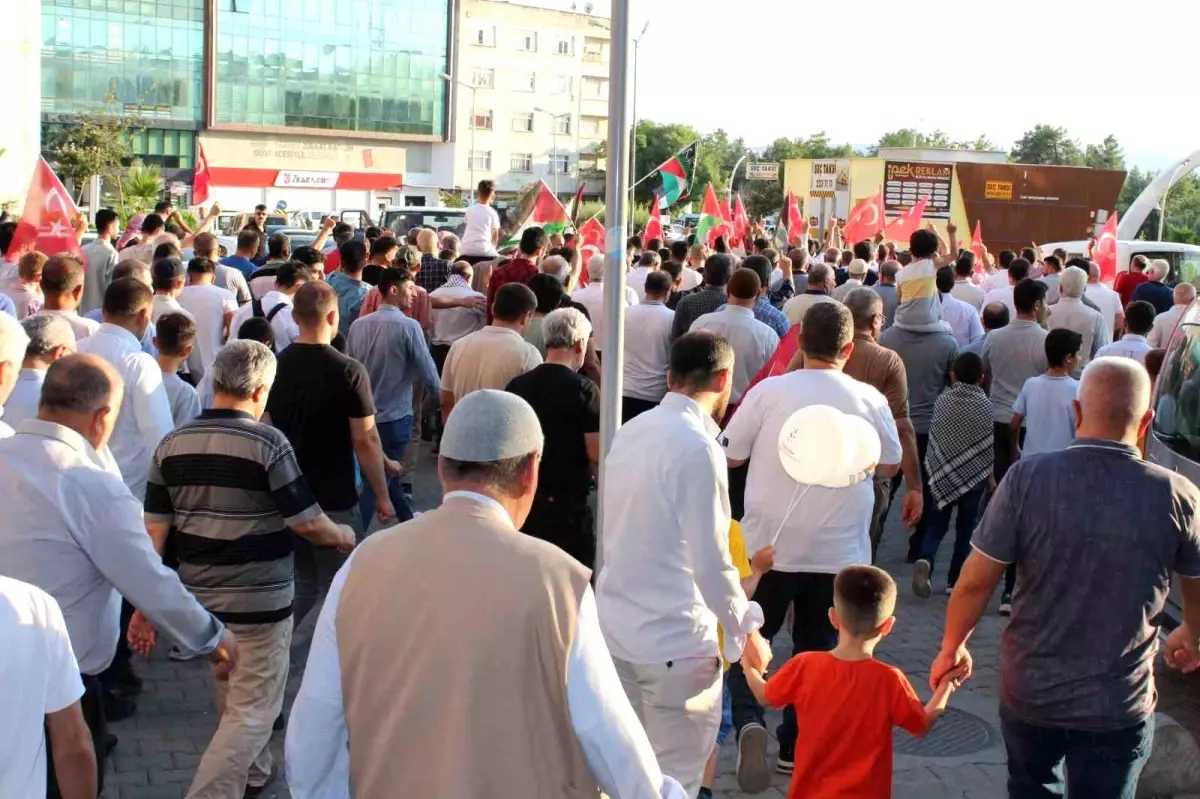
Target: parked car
(1183, 258)
(401, 220)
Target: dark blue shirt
(1095, 532)
(243, 265)
(1160, 296)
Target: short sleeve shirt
(848, 709)
(880, 367)
(481, 220)
(568, 406)
(317, 391)
(1086, 553)
(1045, 402)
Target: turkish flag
(865, 219)
(591, 238)
(1105, 254)
(741, 222)
(977, 247)
(903, 226)
(202, 178)
(797, 225)
(654, 228)
(47, 221)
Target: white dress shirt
(591, 297)
(22, 404)
(647, 350)
(969, 293)
(81, 326)
(1129, 345)
(1164, 325)
(145, 415)
(208, 305)
(996, 280)
(614, 744)
(963, 320)
(1004, 295)
(1109, 303)
(451, 324)
(797, 306)
(283, 325)
(636, 280)
(753, 342)
(1071, 314)
(666, 579)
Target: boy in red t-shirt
(846, 701)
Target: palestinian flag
(676, 174)
(712, 224)
(545, 212)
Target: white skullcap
(489, 426)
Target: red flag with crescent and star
(654, 228)
(741, 221)
(591, 237)
(797, 225)
(202, 178)
(865, 219)
(908, 223)
(977, 247)
(1105, 254)
(47, 221)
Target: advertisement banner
(906, 182)
(829, 176)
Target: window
(595, 89)
(527, 41)
(560, 164)
(481, 160)
(561, 84)
(593, 50)
(565, 46)
(590, 126)
(483, 77)
(562, 124)
(1177, 400)
(484, 36)
(522, 123)
(521, 162)
(527, 83)
(482, 120)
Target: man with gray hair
(1063, 677)
(50, 338)
(567, 405)
(820, 283)
(1070, 313)
(556, 266)
(533, 653)
(649, 261)
(1165, 323)
(13, 343)
(1153, 290)
(91, 547)
(591, 297)
(229, 492)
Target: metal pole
(734, 173)
(554, 151)
(616, 215)
(473, 183)
(637, 42)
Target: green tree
(89, 147)
(1182, 202)
(1046, 144)
(980, 143)
(142, 187)
(655, 144)
(763, 197)
(910, 137)
(1107, 155)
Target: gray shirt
(1012, 355)
(392, 348)
(99, 261)
(1095, 567)
(888, 294)
(928, 359)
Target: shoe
(176, 654)
(118, 707)
(922, 570)
(949, 590)
(256, 790)
(1006, 604)
(122, 681)
(753, 775)
(787, 761)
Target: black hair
(1005, 258)
(965, 264)
(1027, 294)
(1061, 344)
(105, 217)
(548, 291)
(968, 368)
(513, 301)
(1139, 317)
(354, 255)
(201, 266)
(1018, 269)
(7, 229)
(533, 240)
(392, 277)
(923, 243)
(761, 265)
(173, 332)
(697, 358)
(308, 255)
(863, 250)
(257, 328)
(828, 327)
(679, 250)
(125, 297)
(944, 279)
(717, 269)
(995, 316)
(248, 239)
(660, 282)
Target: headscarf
(132, 228)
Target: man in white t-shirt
(482, 235)
(829, 527)
(591, 297)
(1107, 301)
(212, 308)
(276, 305)
(1018, 270)
(40, 695)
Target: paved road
(963, 757)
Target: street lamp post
(633, 128)
(471, 155)
(554, 142)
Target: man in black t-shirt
(568, 406)
(322, 402)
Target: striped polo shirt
(230, 486)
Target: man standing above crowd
(827, 528)
(648, 351)
(667, 580)
(392, 348)
(100, 258)
(50, 338)
(1072, 691)
(1070, 313)
(1153, 290)
(482, 233)
(752, 341)
(1165, 323)
(520, 268)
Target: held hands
(763, 560)
(954, 664)
(756, 655)
(142, 635)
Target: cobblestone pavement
(963, 757)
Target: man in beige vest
(456, 657)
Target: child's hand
(763, 560)
(954, 678)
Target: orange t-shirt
(846, 711)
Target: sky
(1125, 68)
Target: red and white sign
(306, 180)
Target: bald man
(434, 271)
(1063, 672)
(1165, 323)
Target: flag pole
(616, 217)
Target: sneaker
(1006, 604)
(787, 761)
(922, 570)
(753, 776)
(256, 790)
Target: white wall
(20, 126)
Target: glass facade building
(340, 65)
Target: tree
(910, 137)
(142, 187)
(1107, 155)
(1182, 202)
(1046, 144)
(89, 147)
(763, 197)
(655, 144)
(981, 143)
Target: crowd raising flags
(676, 174)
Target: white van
(1184, 258)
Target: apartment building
(531, 96)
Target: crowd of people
(220, 450)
